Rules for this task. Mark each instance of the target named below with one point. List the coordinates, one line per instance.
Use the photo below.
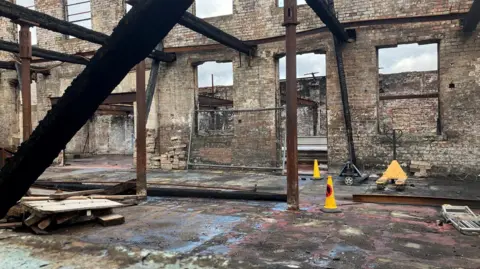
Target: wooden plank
(33, 219)
(38, 231)
(65, 195)
(42, 225)
(52, 207)
(10, 225)
(64, 217)
(108, 197)
(121, 187)
(110, 220)
(35, 191)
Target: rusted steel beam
(290, 23)
(112, 99)
(200, 26)
(413, 200)
(15, 12)
(470, 21)
(43, 53)
(141, 139)
(409, 96)
(106, 70)
(324, 12)
(26, 57)
(117, 108)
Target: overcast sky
(411, 57)
(212, 8)
(222, 74)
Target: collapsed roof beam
(11, 66)
(325, 13)
(202, 27)
(43, 53)
(15, 12)
(473, 17)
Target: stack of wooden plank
(48, 213)
(44, 209)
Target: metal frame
(68, 15)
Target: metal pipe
(26, 57)
(290, 15)
(233, 166)
(345, 104)
(141, 131)
(243, 110)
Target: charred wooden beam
(410, 96)
(11, 66)
(43, 53)
(325, 13)
(15, 12)
(470, 21)
(126, 47)
(202, 27)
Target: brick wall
(256, 80)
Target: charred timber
(11, 66)
(43, 53)
(325, 13)
(182, 192)
(15, 12)
(106, 70)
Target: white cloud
(213, 8)
(222, 74)
(306, 64)
(408, 58)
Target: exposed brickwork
(256, 136)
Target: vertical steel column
(141, 141)
(290, 23)
(152, 80)
(26, 57)
(344, 93)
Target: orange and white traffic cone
(330, 203)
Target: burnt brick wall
(414, 116)
(452, 152)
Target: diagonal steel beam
(325, 13)
(15, 12)
(132, 40)
(202, 27)
(43, 53)
(470, 21)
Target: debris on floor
(42, 209)
(462, 218)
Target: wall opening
(311, 110)
(281, 3)
(30, 4)
(311, 91)
(215, 98)
(408, 89)
(79, 12)
(213, 8)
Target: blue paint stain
(18, 258)
(280, 207)
(340, 248)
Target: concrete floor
(206, 233)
